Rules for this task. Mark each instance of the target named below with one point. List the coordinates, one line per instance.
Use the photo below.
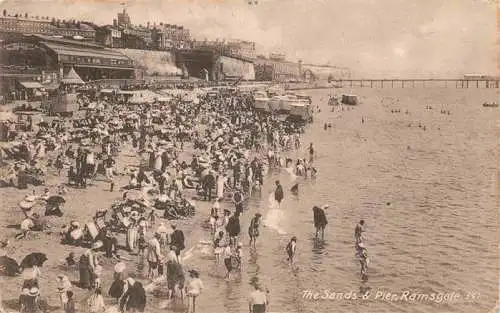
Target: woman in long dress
(132, 235)
(221, 181)
(158, 161)
(86, 270)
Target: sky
(396, 38)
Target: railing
(412, 83)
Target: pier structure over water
(413, 83)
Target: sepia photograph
(249, 156)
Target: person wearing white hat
(154, 255)
(29, 300)
(63, 285)
(194, 287)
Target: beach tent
(72, 78)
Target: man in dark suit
(177, 240)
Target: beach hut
(350, 99)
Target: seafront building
(36, 51)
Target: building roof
(84, 52)
(66, 41)
(31, 85)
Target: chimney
(115, 22)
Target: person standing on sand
(108, 165)
(177, 239)
(154, 255)
(69, 306)
(278, 193)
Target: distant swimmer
(325, 126)
(362, 120)
(291, 249)
(320, 220)
(295, 189)
(329, 125)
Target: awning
(72, 78)
(31, 85)
(107, 91)
(104, 66)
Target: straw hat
(97, 245)
(326, 206)
(362, 245)
(34, 292)
(75, 224)
(120, 267)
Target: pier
(414, 83)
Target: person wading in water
(278, 193)
(291, 249)
(320, 220)
(311, 152)
(253, 230)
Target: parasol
(34, 259)
(8, 266)
(55, 200)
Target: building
(241, 48)
(109, 36)
(124, 19)
(311, 72)
(44, 59)
(167, 36)
(277, 56)
(272, 70)
(44, 26)
(235, 48)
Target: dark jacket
(278, 193)
(233, 226)
(319, 217)
(134, 298)
(177, 239)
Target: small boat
(490, 105)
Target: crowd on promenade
(233, 148)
